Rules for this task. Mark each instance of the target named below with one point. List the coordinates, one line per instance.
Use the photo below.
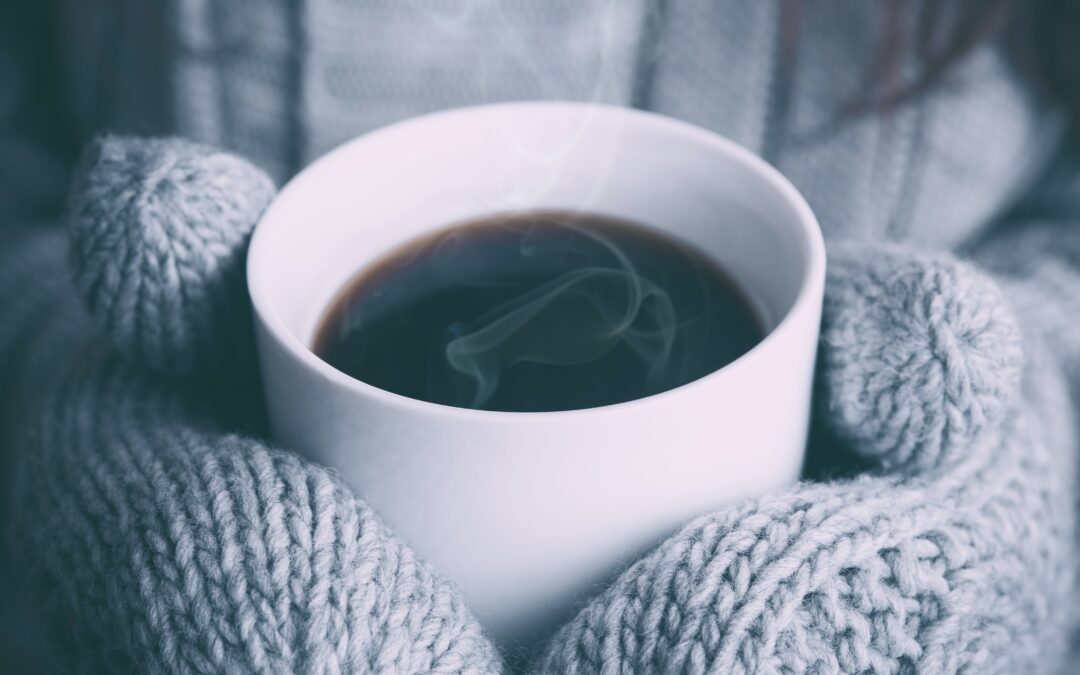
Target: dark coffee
(537, 311)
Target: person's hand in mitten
(157, 531)
(158, 541)
(951, 553)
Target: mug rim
(260, 252)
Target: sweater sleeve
(1034, 252)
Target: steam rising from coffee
(538, 311)
(577, 317)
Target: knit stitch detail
(159, 231)
(929, 571)
(921, 354)
(158, 542)
(174, 547)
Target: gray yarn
(172, 291)
(191, 550)
(932, 567)
(953, 554)
(947, 331)
(154, 541)
(162, 544)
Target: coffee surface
(537, 311)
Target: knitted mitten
(953, 554)
(156, 540)
(157, 533)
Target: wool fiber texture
(159, 533)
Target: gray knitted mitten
(952, 554)
(158, 533)
(161, 535)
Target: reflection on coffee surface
(537, 311)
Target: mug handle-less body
(528, 512)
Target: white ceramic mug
(531, 512)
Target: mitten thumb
(159, 230)
(919, 354)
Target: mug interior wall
(379, 191)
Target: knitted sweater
(159, 533)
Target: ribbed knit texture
(282, 81)
(155, 541)
(156, 532)
(932, 567)
(177, 299)
(900, 327)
